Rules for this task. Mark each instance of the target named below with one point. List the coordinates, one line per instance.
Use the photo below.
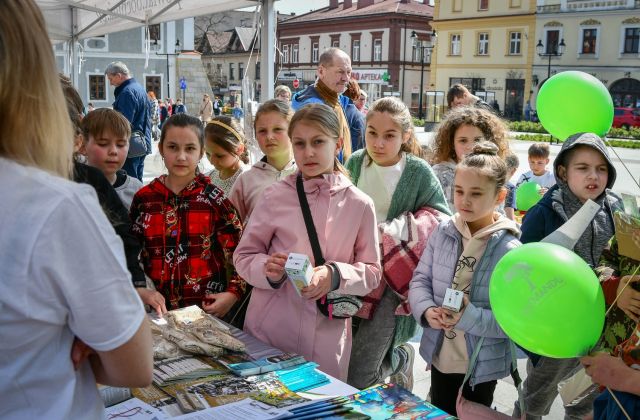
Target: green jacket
(418, 187)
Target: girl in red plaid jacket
(188, 229)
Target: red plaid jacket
(187, 240)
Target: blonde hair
(493, 129)
(399, 113)
(27, 63)
(323, 118)
(226, 132)
(274, 105)
(281, 89)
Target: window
(241, 71)
(589, 37)
(355, 50)
(231, 74)
(155, 37)
(377, 50)
(294, 53)
(97, 91)
(153, 84)
(315, 52)
(257, 71)
(553, 40)
(473, 84)
(483, 4)
(514, 43)
(285, 54)
(631, 41)
(154, 32)
(483, 43)
(455, 44)
(96, 43)
(335, 40)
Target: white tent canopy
(70, 20)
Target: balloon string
(619, 405)
(620, 159)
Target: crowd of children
(221, 240)
(196, 230)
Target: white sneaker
(404, 377)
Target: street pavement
(505, 393)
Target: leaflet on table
(112, 395)
(133, 409)
(266, 388)
(183, 368)
(264, 365)
(303, 377)
(246, 409)
(384, 401)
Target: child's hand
(629, 300)
(433, 316)
(218, 304)
(451, 318)
(274, 267)
(320, 283)
(152, 298)
(543, 191)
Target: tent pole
(267, 50)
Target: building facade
(377, 36)
(159, 65)
(601, 38)
(489, 47)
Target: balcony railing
(584, 5)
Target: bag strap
(514, 370)
(308, 221)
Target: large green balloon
(527, 195)
(574, 102)
(548, 300)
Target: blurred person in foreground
(62, 268)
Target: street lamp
(425, 47)
(554, 51)
(178, 51)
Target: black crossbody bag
(334, 304)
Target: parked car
(626, 117)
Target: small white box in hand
(453, 299)
(299, 270)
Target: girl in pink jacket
(344, 220)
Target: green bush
(526, 127)
(417, 122)
(545, 138)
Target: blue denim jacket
(132, 102)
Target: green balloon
(547, 300)
(574, 102)
(527, 195)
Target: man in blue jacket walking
(132, 102)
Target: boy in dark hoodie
(583, 171)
